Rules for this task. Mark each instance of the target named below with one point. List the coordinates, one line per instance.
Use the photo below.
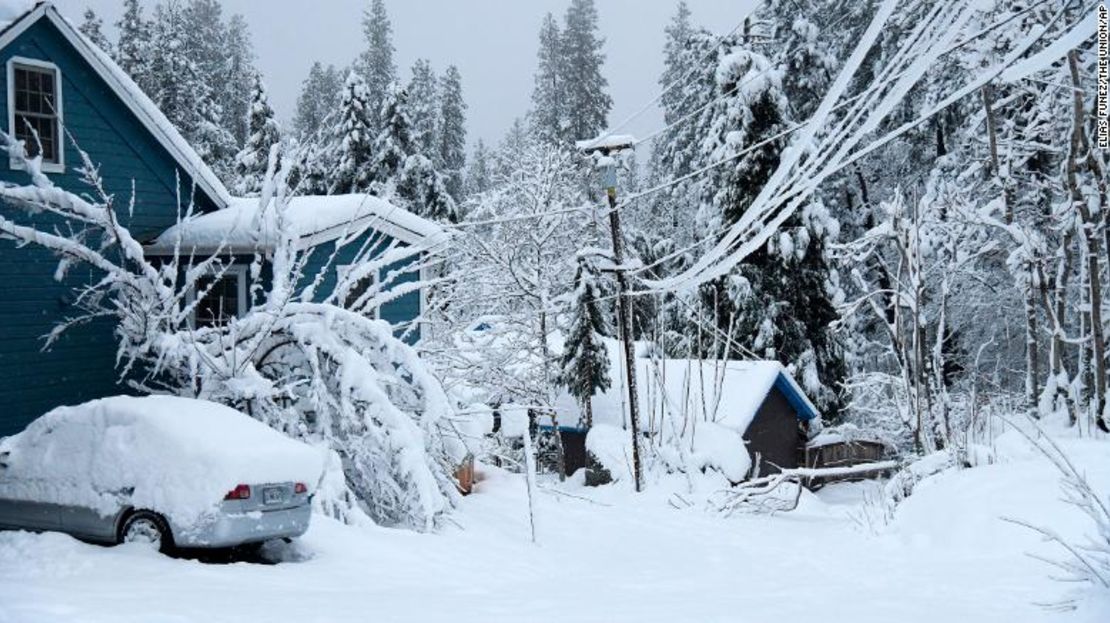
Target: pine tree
(583, 87)
(548, 118)
(174, 81)
(452, 132)
(393, 144)
(677, 63)
(777, 303)
(354, 151)
(376, 63)
(423, 190)
(251, 162)
(134, 41)
(92, 28)
(800, 52)
(424, 109)
(479, 173)
(211, 139)
(584, 369)
(318, 100)
(234, 73)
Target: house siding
(81, 365)
(400, 312)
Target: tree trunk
(996, 165)
(1079, 144)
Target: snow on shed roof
(728, 393)
(122, 85)
(246, 227)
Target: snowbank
(180, 455)
(612, 447)
(246, 226)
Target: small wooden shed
(753, 406)
(840, 448)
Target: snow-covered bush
(310, 368)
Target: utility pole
(607, 167)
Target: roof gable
(137, 102)
(247, 226)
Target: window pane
(220, 304)
(35, 107)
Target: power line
(682, 80)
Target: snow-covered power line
(805, 165)
(709, 167)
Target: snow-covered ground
(947, 556)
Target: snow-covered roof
(22, 15)
(727, 393)
(245, 226)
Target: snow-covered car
(169, 472)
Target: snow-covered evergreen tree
(798, 50)
(376, 64)
(393, 144)
(234, 69)
(479, 172)
(174, 80)
(677, 64)
(92, 27)
(212, 140)
(423, 190)
(252, 161)
(778, 303)
(584, 368)
(133, 43)
(423, 90)
(319, 99)
(583, 87)
(451, 160)
(355, 153)
(548, 116)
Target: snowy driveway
(947, 557)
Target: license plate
(273, 495)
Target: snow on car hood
(180, 456)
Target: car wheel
(147, 528)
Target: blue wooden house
(61, 84)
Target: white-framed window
(356, 290)
(225, 297)
(35, 108)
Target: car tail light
(240, 492)
(300, 488)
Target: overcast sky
(493, 42)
